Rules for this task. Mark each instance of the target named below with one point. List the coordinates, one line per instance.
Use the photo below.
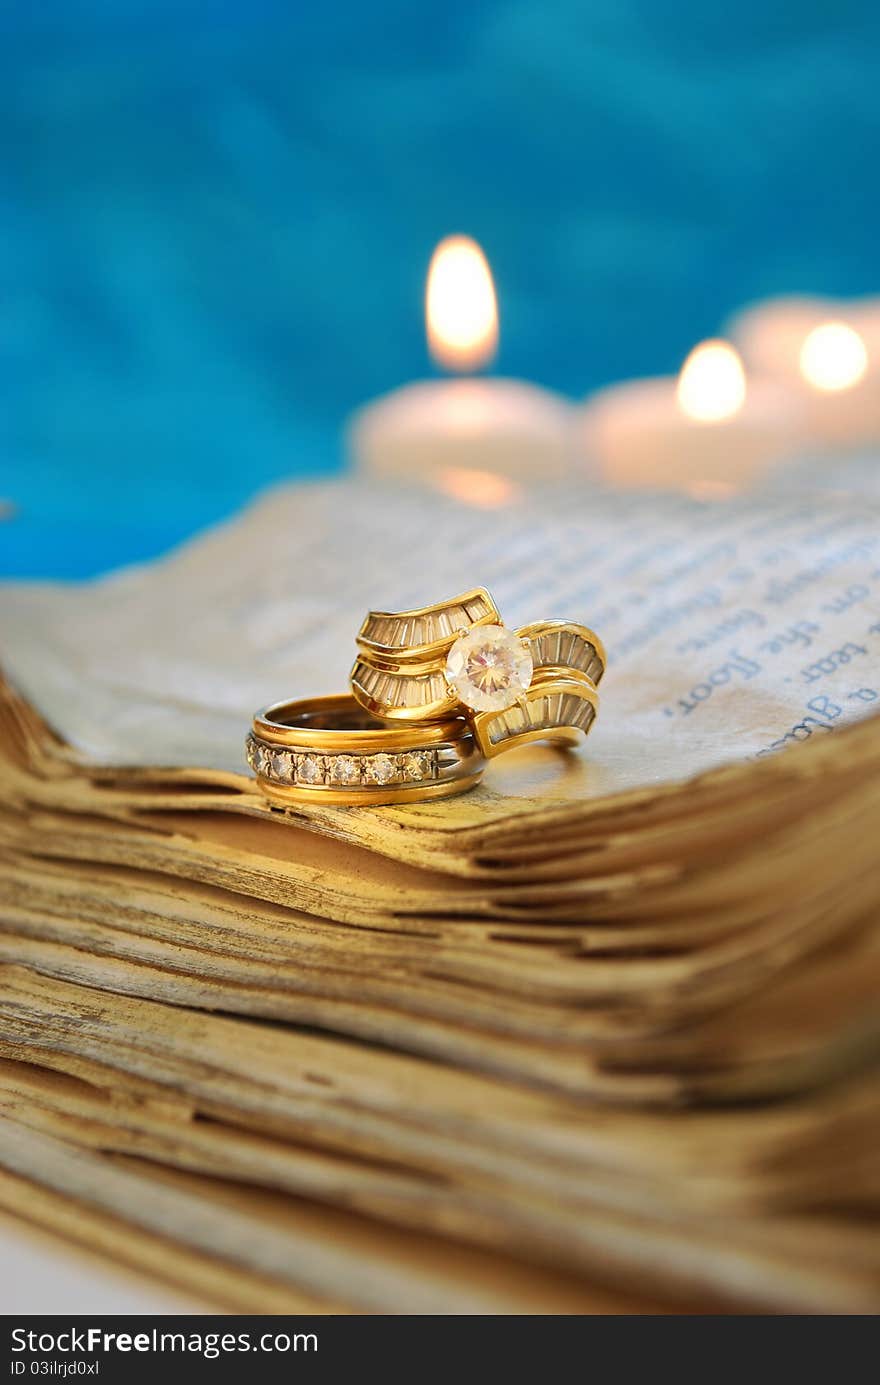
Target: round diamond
(309, 770)
(345, 769)
(417, 764)
(380, 769)
(489, 668)
(282, 764)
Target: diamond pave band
(304, 767)
(330, 750)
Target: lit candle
(477, 438)
(711, 431)
(829, 353)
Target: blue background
(215, 220)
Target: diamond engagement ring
(458, 657)
(330, 750)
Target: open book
(516, 991)
(732, 629)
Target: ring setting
(489, 668)
(306, 768)
(458, 658)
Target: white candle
(437, 431)
(711, 431)
(826, 350)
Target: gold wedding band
(458, 658)
(330, 750)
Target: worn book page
(352, 1131)
(733, 629)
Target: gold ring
(330, 750)
(457, 657)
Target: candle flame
(833, 357)
(712, 383)
(460, 308)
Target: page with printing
(733, 629)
